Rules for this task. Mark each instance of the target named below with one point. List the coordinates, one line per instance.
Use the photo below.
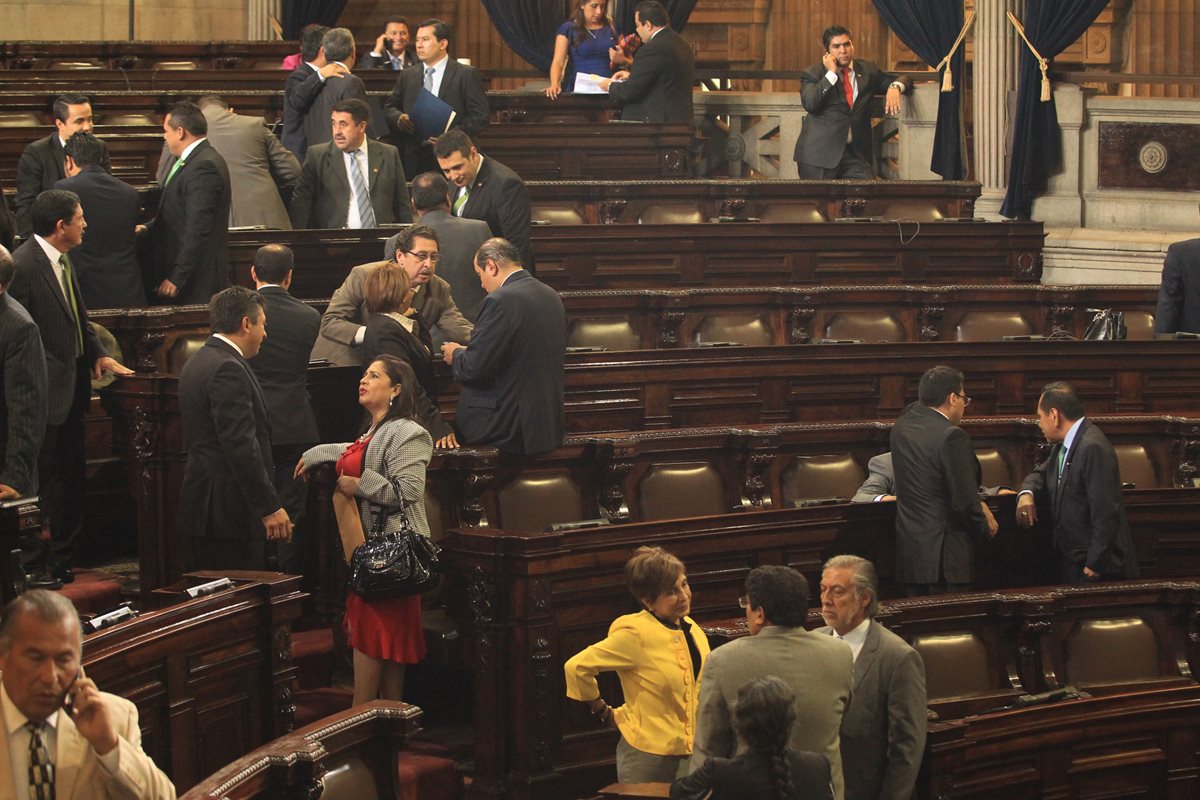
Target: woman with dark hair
(384, 471)
(769, 769)
(657, 654)
(393, 329)
(587, 43)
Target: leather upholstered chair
(748, 329)
(536, 500)
(870, 326)
(670, 491)
(671, 214)
(991, 326)
(791, 212)
(557, 214)
(994, 469)
(183, 349)
(956, 665)
(914, 210)
(611, 334)
(1136, 466)
(1139, 325)
(834, 475)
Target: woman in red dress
(384, 470)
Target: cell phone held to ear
(68, 702)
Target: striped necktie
(366, 213)
(429, 79)
(41, 769)
(461, 201)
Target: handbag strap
(382, 515)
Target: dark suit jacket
(1179, 295)
(106, 263)
(830, 120)
(369, 61)
(282, 366)
(659, 88)
(883, 729)
(36, 287)
(938, 518)
(227, 487)
(512, 372)
(317, 127)
(461, 89)
(299, 90)
(748, 777)
(499, 197)
(322, 198)
(1087, 506)
(458, 241)
(385, 336)
(22, 396)
(41, 166)
(191, 231)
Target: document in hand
(588, 84)
(430, 116)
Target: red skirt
(389, 628)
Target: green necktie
(1062, 459)
(461, 201)
(72, 292)
(174, 168)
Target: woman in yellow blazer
(657, 653)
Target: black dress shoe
(64, 574)
(41, 580)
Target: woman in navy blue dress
(585, 44)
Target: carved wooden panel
(1159, 156)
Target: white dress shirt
(856, 638)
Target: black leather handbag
(403, 562)
(1106, 326)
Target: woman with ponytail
(768, 769)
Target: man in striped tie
(350, 182)
(64, 739)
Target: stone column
(996, 60)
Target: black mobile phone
(68, 698)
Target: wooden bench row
(27, 55)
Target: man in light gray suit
(22, 392)
(880, 483)
(459, 239)
(883, 730)
(260, 168)
(343, 325)
(817, 668)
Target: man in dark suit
(939, 516)
(835, 140)
(343, 325)
(353, 181)
(43, 163)
(883, 730)
(1179, 294)
(338, 47)
(106, 264)
(1078, 488)
(282, 370)
(458, 241)
(512, 372)
(658, 88)
(45, 285)
(303, 85)
(190, 234)
(22, 392)
(228, 505)
(391, 48)
(486, 189)
(455, 84)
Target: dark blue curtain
(298, 13)
(528, 26)
(1051, 26)
(930, 27)
(679, 10)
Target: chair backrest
(671, 214)
(19, 119)
(747, 329)
(128, 119)
(537, 500)
(556, 214)
(692, 489)
(1111, 650)
(991, 326)
(791, 212)
(614, 334)
(1139, 325)
(921, 211)
(834, 475)
(177, 65)
(1136, 466)
(994, 470)
(870, 326)
(956, 665)
(349, 778)
(184, 348)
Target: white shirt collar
(187, 151)
(51, 252)
(439, 66)
(1069, 439)
(230, 342)
(857, 637)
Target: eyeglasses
(966, 400)
(432, 258)
(744, 601)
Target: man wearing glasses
(344, 323)
(939, 516)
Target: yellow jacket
(652, 661)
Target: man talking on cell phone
(63, 738)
